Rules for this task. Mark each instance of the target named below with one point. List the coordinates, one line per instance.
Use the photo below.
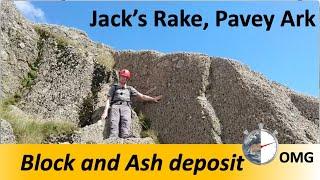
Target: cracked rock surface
(57, 73)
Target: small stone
(21, 45)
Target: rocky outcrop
(51, 71)
(6, 133)
(184, 115)
(69, 75)
(308, 106)
(214, 100)
(18, 42)
(243, 98)
(57, 73)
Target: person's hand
(157, 98)
(104, 116)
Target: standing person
(119, 98)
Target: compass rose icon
(260, 146)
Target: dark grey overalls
(120, 110)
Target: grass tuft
(106, 60)
(32, 131)
(146, 128)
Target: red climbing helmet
(125, 73)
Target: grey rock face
(242, 99)
(59, 73)
(69, 76)
(213, 100)
(184, 115)
(6, 133)
(54, 72)
(308, 106)
(93, 133)
(18, 48)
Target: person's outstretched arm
(148, 98)
(105, 112)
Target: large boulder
(184, 115)
(214, 100)
(243, 98)
(6, 133)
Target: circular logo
(260, 146)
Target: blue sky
(286, 55)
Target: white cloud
(30, 12)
